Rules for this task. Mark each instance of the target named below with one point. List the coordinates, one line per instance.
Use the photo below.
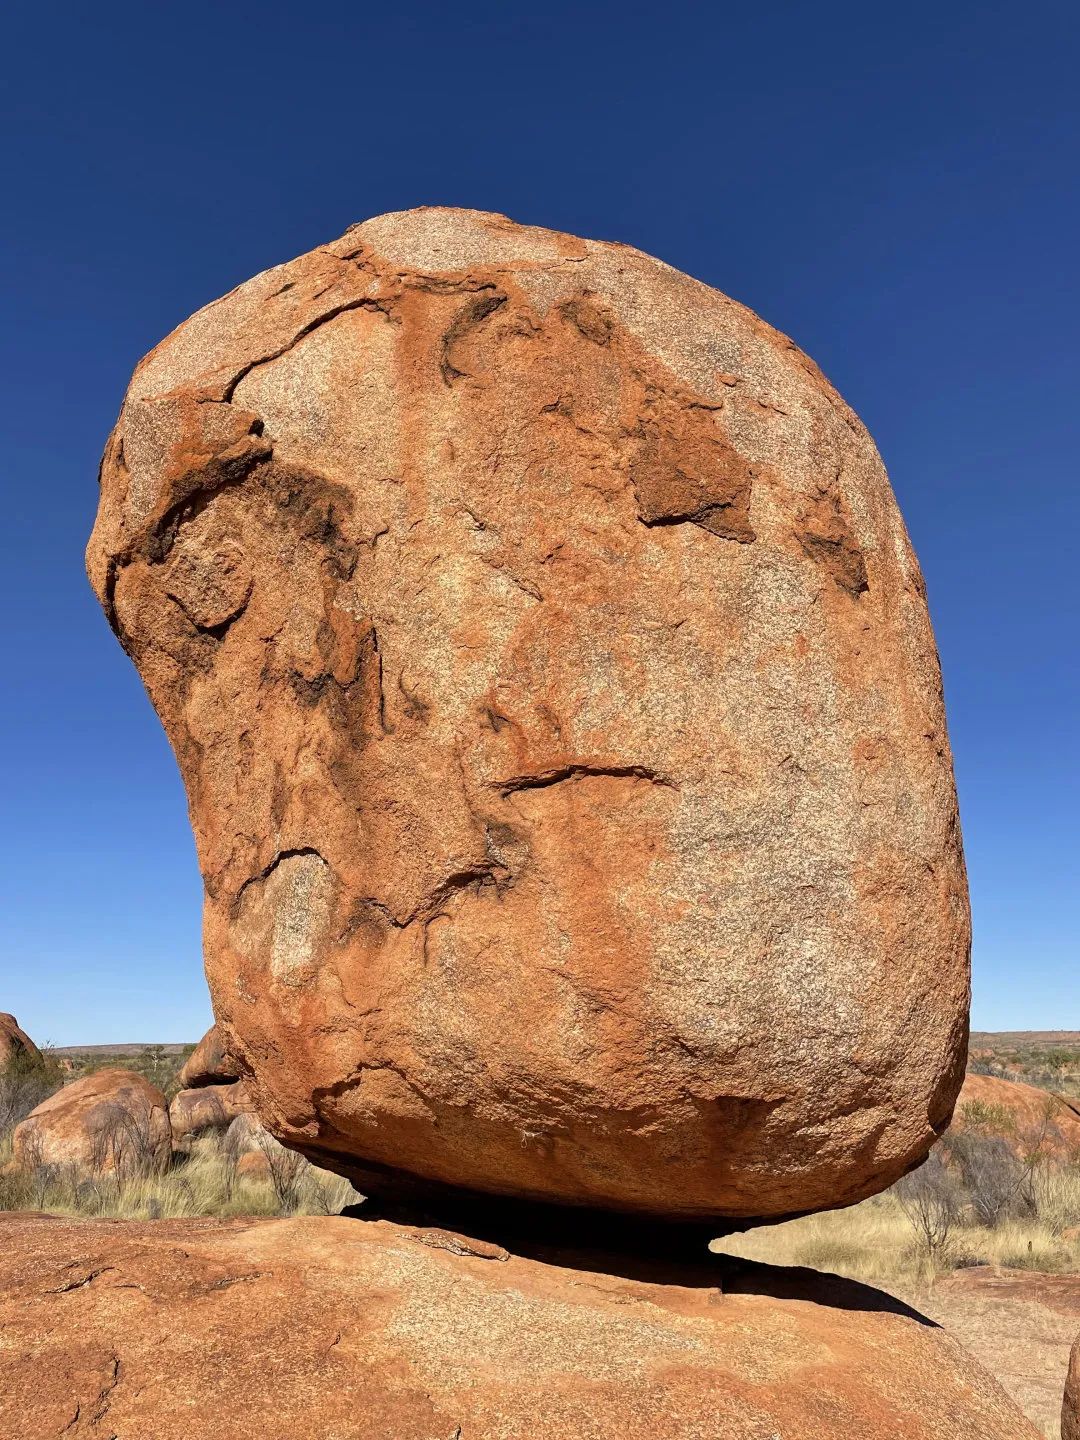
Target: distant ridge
(172, 1049)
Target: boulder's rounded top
(437, 238)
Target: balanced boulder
(110, 1120)
(552, 681)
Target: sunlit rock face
(553, 684)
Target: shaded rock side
(1070, 1405)
(553, 685)
(323, 1329)
(107, 1120)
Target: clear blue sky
(894, 186)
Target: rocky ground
(1020, 1325)
(340, 1328)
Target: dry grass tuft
(202, 1182)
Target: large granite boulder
(552, 681)
(16, 1047)
(322, 1329)
(110, 1120)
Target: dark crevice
(86, 1279)
(268, 870)
(202, 486)
(490, 873)
(724, 520)
(467, 319)
(367, 303)
(544, 778)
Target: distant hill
(1025, 1039)
(1049, 1059)
(103, 1051)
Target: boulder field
(328, 1329)
(207, 1064)
(554, 689)
(207, 1107)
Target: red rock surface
(554, 689)
(320, 1328)
(107, 1119)
(208, 1063)
(253, 1165)
(1035, 1120)
(15, 1044)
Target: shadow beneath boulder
(647, 1251)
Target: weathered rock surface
(1030, 1120)
(553, 685)
(15, 1044)
(1070, 1405)
(207, 1107)
(109, 1119)
(334, 1328)
(208, 1064)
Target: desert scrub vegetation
(24, 1083)
(207, 1180)
(159, 1064)
(935, 1220)
(133, 1172)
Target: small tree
(992, 1174)
(39, 1173)
(230, 1147)
(129, 1141)
(25, 1082)
(929, 1199)
(287, 1169)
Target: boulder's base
(342, 1329)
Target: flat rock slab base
(343, 1329)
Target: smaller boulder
(15, 1045)
(207, 1064)
(207, 1107)
(1030, 1120)
(247, 1134)
(253, 1165)
(111, 1120)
